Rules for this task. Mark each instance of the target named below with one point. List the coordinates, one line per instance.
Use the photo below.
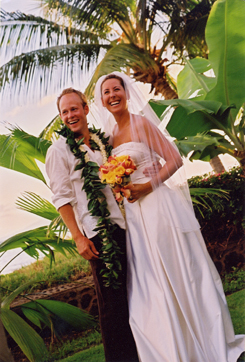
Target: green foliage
(49, 313)
(54, 314)
(28, 340)
(13, 156)
(228, 209)
(35, 204)
(38, 240)
(74, 345)
(95, 354)
(236, 304)
(63, 271)
(234, 281)
(226, 43)
(209, 105)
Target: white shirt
(66, 185)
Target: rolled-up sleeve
(57, 169)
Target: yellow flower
(110, 177)
(120, 170)
(121, 158)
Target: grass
(64, 270)
(94, 354)
(234, 281)
(83, 343)
(236, 304)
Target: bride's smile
(114, 96)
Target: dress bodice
(141, 155)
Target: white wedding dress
(178, 311)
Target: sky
(32, 116)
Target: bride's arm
(155, 140)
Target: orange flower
(118, 197)
(126, 192)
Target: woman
(178, 311)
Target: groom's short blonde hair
(72, 90)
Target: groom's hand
(86, 248)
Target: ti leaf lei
(97, 205)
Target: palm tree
(128, 35)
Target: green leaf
(192, 117)
(192, 83)
(37, 205)
(225, 37)
(13, 158)
(38, 240)
(72, 315)
(32, 146)
(10, 298)
(26, 337)
(159, 109)
(119, 57)
(196, 143)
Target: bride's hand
(152, 170)
(137, 191)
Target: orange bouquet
(116, 172)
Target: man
(71, 201)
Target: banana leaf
(225, 37)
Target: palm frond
(18, 27)
(30, 145)
(39, 240)
(28, 67)
(119, 58)
(51, 310)
(58, 226)
(24, 335)
(49, 131)
(206, 197)
(37, 205)
(98, 14)
(14, 158)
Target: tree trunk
(217, 165)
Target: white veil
(159, 137)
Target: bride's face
(113, 96)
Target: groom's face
(73, 113)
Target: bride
(178, 311)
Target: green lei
(97, 205)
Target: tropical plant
(209, 119)
(41, 313)
(130, 35)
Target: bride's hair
(113, 76)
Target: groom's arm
(64, 198)
(85, 246)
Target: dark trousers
(119, 345)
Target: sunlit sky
(32, 117)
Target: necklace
(97, 204)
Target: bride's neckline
(125, 143)
(141, 144)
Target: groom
(71, 202)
